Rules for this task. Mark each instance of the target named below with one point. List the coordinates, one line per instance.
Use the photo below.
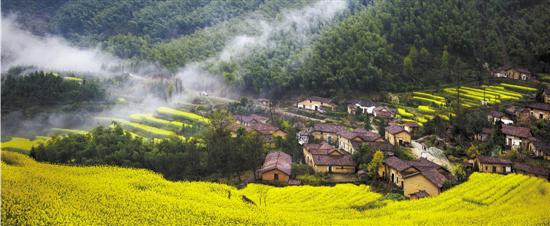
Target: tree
(459, 172)
(472, 151)
(382, 127)
(375, 163)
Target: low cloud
(22, 48)
(298, 25)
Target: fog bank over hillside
(22, 48)
(297, 25)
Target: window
(494, 169)
(508, 169)
(486, 168)
(540, 116)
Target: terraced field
(33, 194)
(23, 144)
(168, 123)
(443, 103)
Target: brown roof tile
(432, 171)
(277, 160)
(493, 160)
(516, 131)
(544, 147)
(395, 129)
(319, 149)
(496, 114)
(333, 160)
(540, 106)
(397, 163)
(529, 169)
(329, 128)
(251, 118)
(263, 128)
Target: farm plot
(68, 131)
(428, 105)
(101, 195)
(183, 115)
(151, 120)
(23, 144)
(141, 129)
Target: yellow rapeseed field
(43, 194)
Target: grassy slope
(34, 193)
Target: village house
(264, 102)
(512, 73)
(487, 164)
(539, 110)
(546, 95)
(383, 146)
(410, 127)
(267, 131)
(383, 112)
(418, 178)
(397, 135)
(316, 104)
(485, 135)
(248, 120)
(351, 141)
(366, 107)
(326, 132)
(325, 158)
(530, 170)
(276, 168)
(522, 114)
(516, 137)
(496, 116)
(540, 149)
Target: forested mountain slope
(367, 46)
(401, 44)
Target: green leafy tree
(375, 163)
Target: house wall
(533, 149)
(488, 168)
(324, 136)
(395, 138)
(417, 183)
(514, 74)
(343, 169)
(270, 175)
(546, 99)
(539, 114)
(310, 105)
(514, 142)
(325, 169)
(346, 145)
(397, 178)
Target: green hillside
(371, 46)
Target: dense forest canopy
(46, 90)
(371, 46)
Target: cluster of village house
(335, 144)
